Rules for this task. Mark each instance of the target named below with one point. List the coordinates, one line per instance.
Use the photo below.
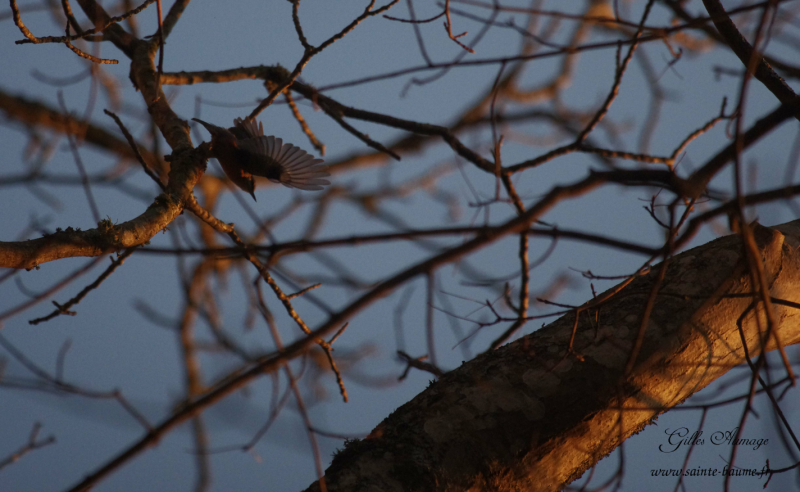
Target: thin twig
(64, 308)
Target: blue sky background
(114, 347)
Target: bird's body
(244, 151)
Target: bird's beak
(212, 129)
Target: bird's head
(219, 135)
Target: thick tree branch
(106, 238)
(534, 416)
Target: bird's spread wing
(284, 163)
(251, 128)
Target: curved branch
(187, 166)
(762, 71)
(121, 38)
(34, 113)
(107, 237)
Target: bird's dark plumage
(244, 151)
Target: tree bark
(533, 416)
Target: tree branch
(532, 416)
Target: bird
(244, 151)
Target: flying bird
(244, 151)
